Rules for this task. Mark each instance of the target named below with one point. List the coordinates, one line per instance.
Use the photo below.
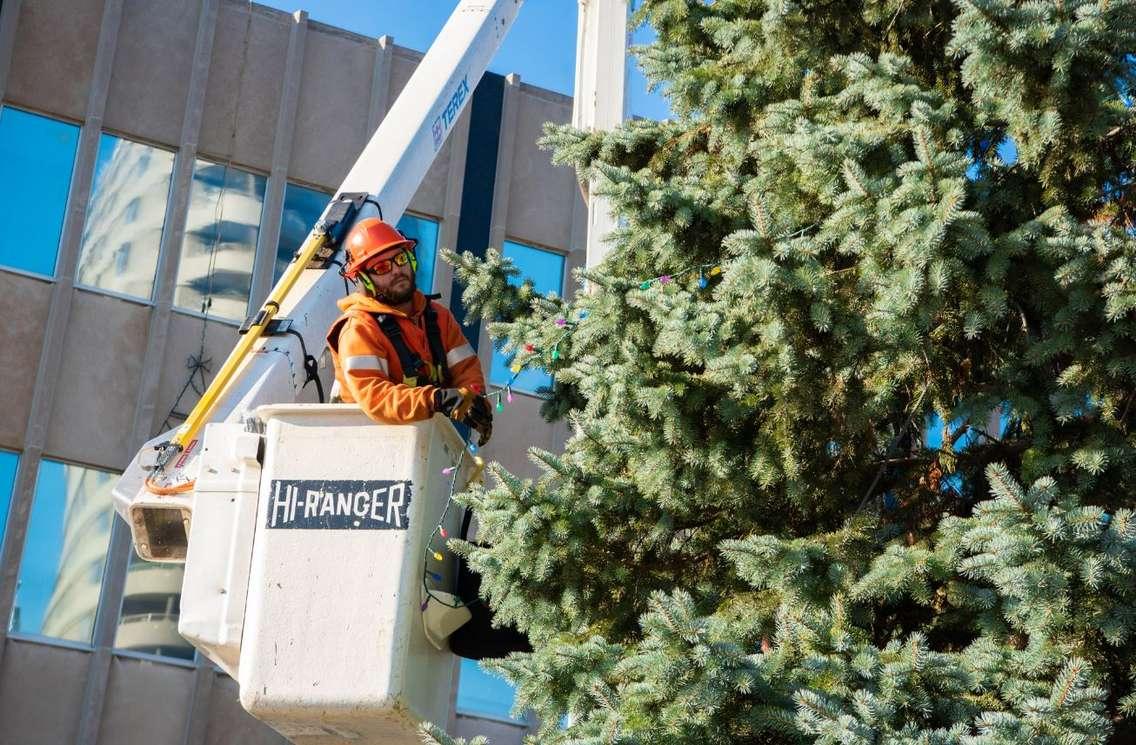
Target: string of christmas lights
(431, 552)
(505, 393)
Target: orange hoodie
(367, 367)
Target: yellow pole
(208, 402)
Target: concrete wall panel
(403, 64)
(229, 724)
(146, 702)
(263, 81)
(24, 305)
(42, 77)
(540, 193)
(98, 385)
(518, 428)
(184, 341)
(151, 68)
(41, 689)
(335, 98)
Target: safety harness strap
(437, 348)
(412, 364)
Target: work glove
(466, 406)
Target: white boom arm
(390, 169)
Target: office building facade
(160, 162)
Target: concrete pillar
(176, 212)
(197, 721)
(380, 83)
(9, 19)
(506, 148)
(600, 91)
(158, 333)
(59, 314)
(269, 235)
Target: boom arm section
(155, 494)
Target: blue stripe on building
(477, 187)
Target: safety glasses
(386, 266)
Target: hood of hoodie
(367, 304)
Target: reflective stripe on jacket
(367, 367)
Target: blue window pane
(125, 217)
(546, 270)
(425, 231)
(65, 554)
(8, 462)
(37, 155)
(482, 694)
(215, 269)
(302, 207)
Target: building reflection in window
(150, 606)
(37, 155)
(125, 217)
(65, 552)
(302, 207)
(217, 254)
(546, 270)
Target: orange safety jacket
(367, 366)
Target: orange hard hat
(368, 239)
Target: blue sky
(541, 47)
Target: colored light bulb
(438, 556)
(472, 448)
(715, 271)
(529, 348)
(509, 394)
(703, 282)
(555, 354)
(424, 604)
(646, 285)
(435, 576)
(561, 322)
(448, 470)
(515, 368)
(583, 314)
(500, 406)
(665, 279)
(442, 532)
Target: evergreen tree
(851, 396)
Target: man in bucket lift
(398, 354)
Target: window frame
(163, 246)
(179, 250)
(487, 364)
(37, 636)
(78, 124)
(275, 251)
(6, 514)
(490, 716)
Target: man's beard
(397, 297)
